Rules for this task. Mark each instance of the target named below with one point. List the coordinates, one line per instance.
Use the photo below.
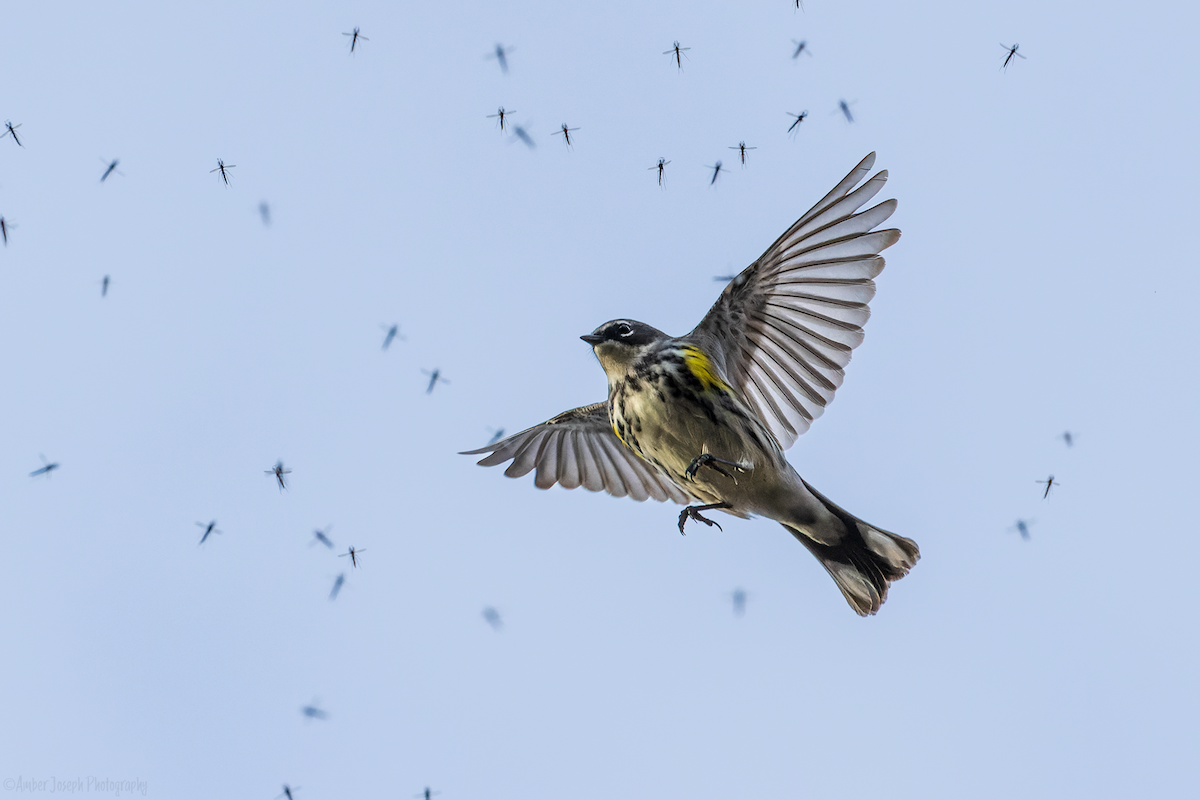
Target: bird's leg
(708, 459)
(693, 512)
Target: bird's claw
(693, 512)
(711, 461)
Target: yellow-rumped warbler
(708, 415)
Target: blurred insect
(492, 617)
(739, 601)
(111, 169)
(501, 54)
(524, 136)
(716, 168)
(678, 52)
(46, 468)
(800, 4)
(661, 166)
(434, 378)
(337, 586)
(1068, 437)
(322, 537)
(844, 107)
(4, 226)
(1050, 482)
(353, 555)
(741, 148)
(566, 134)
(724, 278)
(497, 436)
(1022, 527)
(800, 48)
(428, 793)
(393, 332)
(104, 286)
(222, 167)
(10, 128)
(799, 118)
(287, 792)
(278, 471)
(313, 712)
(264, 211)
(209, 528)
(354, 37)
(1012, 51)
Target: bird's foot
(711, 461)
(693, 512)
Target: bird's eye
(623, 330)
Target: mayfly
(1050, 482)
(223, 168)
(1012, 51)
(278, 471)
(799, 118)
(353, 555)
(741, 148)
(499, 115)
(678, 52)
(354, 37)
(209, 528)
(661, 166)
(566, 134)
(10, 128)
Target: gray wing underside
(579, 448)
(785, 327)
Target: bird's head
(619, 342)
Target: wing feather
(579, 448)
(784, 329)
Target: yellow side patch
(702, 367)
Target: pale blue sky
(1042, 284)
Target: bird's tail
(865, 562)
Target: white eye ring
(628, 330)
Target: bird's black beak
(592, 339)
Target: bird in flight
(706, 417)
(46, 468)
(209, 528)
(741, 148)
(661, 166)
(1012, 51)
(355, 36)
(1050, 482)
(353, 556)
(799, 118)
(435, 378)
(10, 129)
(499, 117)
(278, 471)
(679, 54)
(223, 168)
(500, 53)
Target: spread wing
(785, 327)
(579, 448)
